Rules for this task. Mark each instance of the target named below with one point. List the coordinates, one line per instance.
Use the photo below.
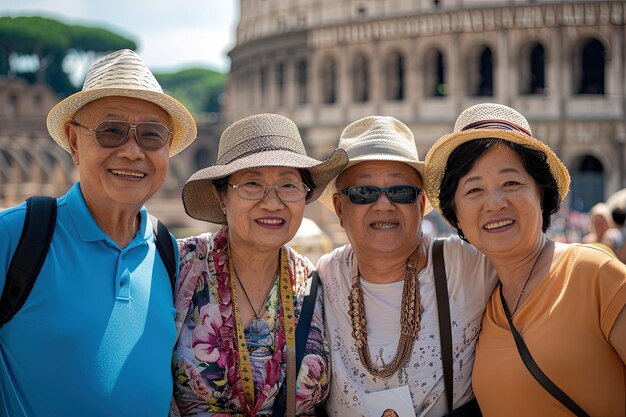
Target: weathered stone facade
(327, 63)
(31, 163)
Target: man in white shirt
(379, 292)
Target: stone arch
(588, 177)
(481, 70)
(590, 62)
(434, 73)
(301, 77)
(532, 68)
(18, 161)
(395, 76)
(360, 74)
(329, 79)
(280, 77)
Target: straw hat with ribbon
(488, 120)
(262, 140)
(122, 73)
(376, 138)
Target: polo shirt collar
(88, 229)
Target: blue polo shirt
(95, 336)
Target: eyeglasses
(257, 190)
(368, 194)
(114, 133)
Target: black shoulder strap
(302, 335)
(29, 256)
(443, 314)
(304, 321)
(165, 247)
(536, 371)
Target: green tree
(199, 89)
(51, 41)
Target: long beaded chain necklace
(410, 311)
(521, 293)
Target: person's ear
(422, 197)
(222, 203)
(337, 203)
(72, 136)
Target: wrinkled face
(266, 224)
(382, 227)
(127, 175)
(498, 204)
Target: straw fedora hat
(488, 120)
(376, 138)
(122, 73)
(262, 140)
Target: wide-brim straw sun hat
(122, 74)
(261, 140)
(482, 121)
(376, 138)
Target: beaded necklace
(410, 311)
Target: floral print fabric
(207, 381)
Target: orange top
(565, 322)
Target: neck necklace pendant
(521, 293)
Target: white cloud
(188, 47)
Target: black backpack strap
(443, 314)
(165, 246)
(302, 335)
(29, 256)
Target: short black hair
(463, 158)
(619, 216)
(221, 184)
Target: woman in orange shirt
(498, 186)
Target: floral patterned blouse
(207, 381)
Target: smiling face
(498, 204)
(266, 224)
(381, 227)
(125, 176)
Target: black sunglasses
(368, 194)
(114, 133)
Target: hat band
(496, 124)
(380, 149)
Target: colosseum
(326, 63)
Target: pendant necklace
(521, 293)
(257, 315)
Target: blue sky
(170, 34)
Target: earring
(223, 210)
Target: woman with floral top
(240, 290)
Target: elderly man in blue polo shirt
(95, 336)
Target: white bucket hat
(376, 138)
(122, 73)
(262, 140)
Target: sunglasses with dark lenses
(114, 133)
(368, 194)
